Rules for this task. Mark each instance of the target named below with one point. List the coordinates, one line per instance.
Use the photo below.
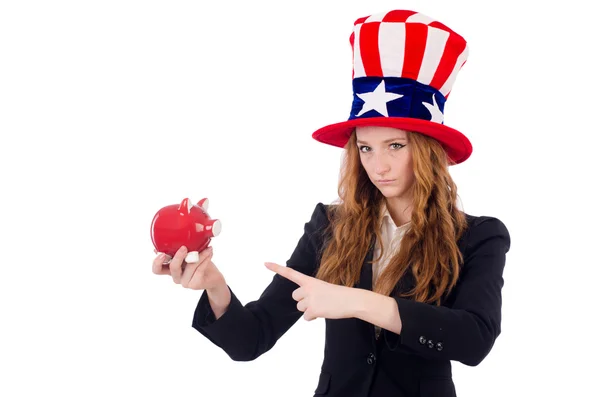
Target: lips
(385, 180)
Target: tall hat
(404, 66)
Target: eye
(396, 146)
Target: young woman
(405, 280)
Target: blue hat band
(376, 97)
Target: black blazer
(414, 363)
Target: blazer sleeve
(245, 332)
(467, 330)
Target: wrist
(359, 305)
(219, 295)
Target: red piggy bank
(184, 224)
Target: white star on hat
(377, 100)
(436, 114)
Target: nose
(381, 165)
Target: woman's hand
(317, 298)
(196, 275)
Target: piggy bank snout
(212, 227)
(216, 228)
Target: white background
(110, 110)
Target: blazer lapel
(366, 271)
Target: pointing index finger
(288, 272)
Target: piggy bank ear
(185, 206)
(204, 204)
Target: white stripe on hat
(447, 87)
(359, 67)
(418, 17)
(434, 49)
(376, 18)
(392, 37)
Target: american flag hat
(404, 66)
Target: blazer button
(422, 340)
(439, 346)
(430, 343)
(370, 358)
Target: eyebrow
(387, 140)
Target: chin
(390, 192)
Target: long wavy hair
(429, 248)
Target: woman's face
(387, 160)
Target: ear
(185, 206)
(203, 203)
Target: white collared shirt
(391, 236)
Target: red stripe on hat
(416, 39)
(360, 20)
(369, 49)
(352, 45)
(440, 25)
(454, 47)
(398, 16)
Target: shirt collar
(386, 218)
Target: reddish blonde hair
(428, 249)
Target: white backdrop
(110, 110)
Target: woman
(405, 281)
